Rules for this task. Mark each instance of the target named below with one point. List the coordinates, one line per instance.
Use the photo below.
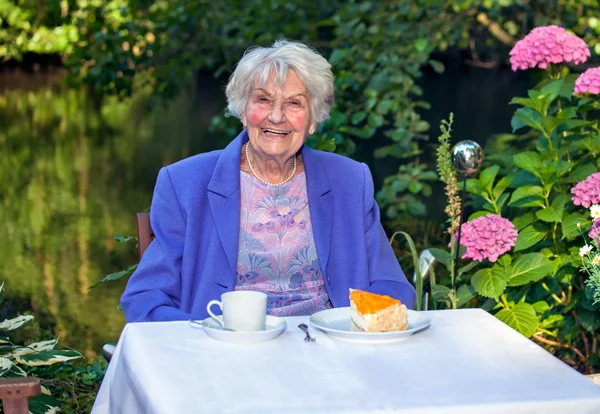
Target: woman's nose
(277, 114)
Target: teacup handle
(212, 315)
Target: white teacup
(243, 310)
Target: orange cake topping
(368, 303)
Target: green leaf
(490, 282)
(528, 268)
(529, 161)
(550, 92)
(534, 104)
(466, 268)
(464, 294)
(502, 185)
(549, 215)
(528, 196)
(528, 237)
(47, 357)
(20, 321)
(5, 365)
(416, 265)
(541, 306)
(358, 117)
(523, 220)
(550, 123)
(35, 347)
(581, 173)
(474, 186)
(529, 117)
(116, 275)
(437, 66)
(521, 317)
(487, 177)
(43, 404)
(589, 320)
(124, 239)
(441, 256)
(569, 225)
(441, 293)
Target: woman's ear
(313, 128)
(244, 119)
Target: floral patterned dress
(277, 253)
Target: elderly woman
(266, 213)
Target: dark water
(75, 171)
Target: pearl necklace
(263, 181)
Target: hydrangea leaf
(527, 196)
(487, 177)
(589, 320)
(529, 161)
(521, 317)
(528, 268)
(569, 225)
(528, 237)
(47, 357)
(16, 323)
(490, 282)
(581, 173)
(549, 215)
(464, 294)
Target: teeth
(272, 131)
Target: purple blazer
(195, 216)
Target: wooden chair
(14, 393)
(145, 236)
(144, 232)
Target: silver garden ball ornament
(467, 157)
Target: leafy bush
(17, 360)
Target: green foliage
(539, 281)
(16, 360)
(74, 385)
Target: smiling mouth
(275, 132)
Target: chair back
(144, 232)
(14, 393)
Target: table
(466, 362)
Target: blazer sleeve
(386, 276)
(153, 292)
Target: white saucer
(273, 328)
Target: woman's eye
(295, 103)
(263, 99)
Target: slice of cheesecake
(377, 313)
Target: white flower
(595, 211)
(596, 261)
(585, 250)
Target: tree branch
(495, 29)
(565, 346)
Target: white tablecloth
(466, 362)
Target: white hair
(257, 64)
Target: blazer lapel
(224, 200)
(320, 201)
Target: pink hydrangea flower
(595, 231)
(546, 45)
(587, 192)
(488, 237)
(588, 81)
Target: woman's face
(278, 119)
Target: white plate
(274, 326)
(337, 324)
